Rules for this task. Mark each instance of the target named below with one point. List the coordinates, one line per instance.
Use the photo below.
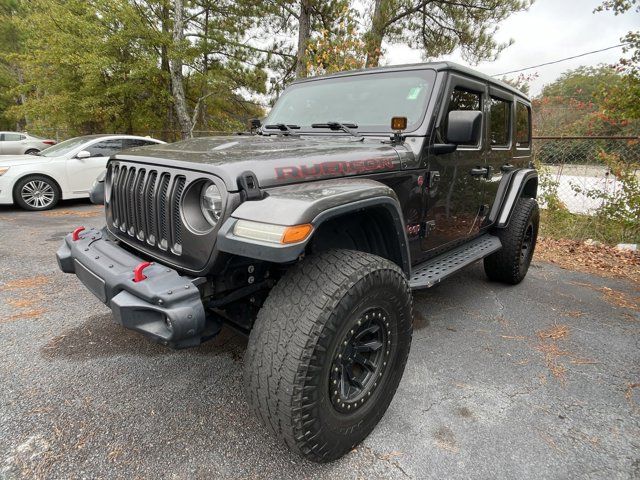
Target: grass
(563, 224)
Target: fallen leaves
(555, 333)
(598, 259)
(95, 212)
(28, 300)
(28, 282)
(552, 352)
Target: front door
(456, 181)
(81, 172)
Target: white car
(64, 171)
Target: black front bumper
(166, 306)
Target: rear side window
(106, 148)
(136, 142)
(13, 137)
(462, 99)
(499, 122)
(523, 125)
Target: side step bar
(431, 272)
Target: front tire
(36, 192)
(511, 263)
(328, 350)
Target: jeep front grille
(144, 204)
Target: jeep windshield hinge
(249, 187)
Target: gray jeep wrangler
(309, 235)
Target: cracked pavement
(541, 380)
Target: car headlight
(211, 203)
(3, 170)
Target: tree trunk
(175, 67)
(376, 34)
(304, 33)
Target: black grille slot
(178, 190)
(144, 204)
(163, 227)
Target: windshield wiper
(345, 127)
(284, 128)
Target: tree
(623, 99)
(118, 62)
(10, 73)
(438, 27)
(578, 103)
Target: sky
(549, 30)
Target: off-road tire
(50, 186)
(511, 263)
(293, 348)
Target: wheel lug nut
(339, 355)
(335, 369)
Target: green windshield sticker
(413, 93)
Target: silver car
(13, 143)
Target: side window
(106, 148)
(499, 122)
(13, 137)
(523, 125)
(136, 142)
(462, 99)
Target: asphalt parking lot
(541, 380)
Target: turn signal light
(296, 233)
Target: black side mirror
(464, 127)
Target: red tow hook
(75, 236)
(138, 274)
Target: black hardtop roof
(438, 66)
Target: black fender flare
(513, 186)
(313, 203)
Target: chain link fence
(584, 174)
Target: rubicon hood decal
(334, 168)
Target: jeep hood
(275, 160)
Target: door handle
(479, 172)
(507, 167)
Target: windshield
(63, 148)
(368, 101)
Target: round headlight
(211, 203)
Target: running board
(431, 272)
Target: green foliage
(102, 65)
(9, 45)
(581, 102)
(438, 27)
(563, 224)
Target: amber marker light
(398, 123)
(297, 233)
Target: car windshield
(64, 148)
(368, 101)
